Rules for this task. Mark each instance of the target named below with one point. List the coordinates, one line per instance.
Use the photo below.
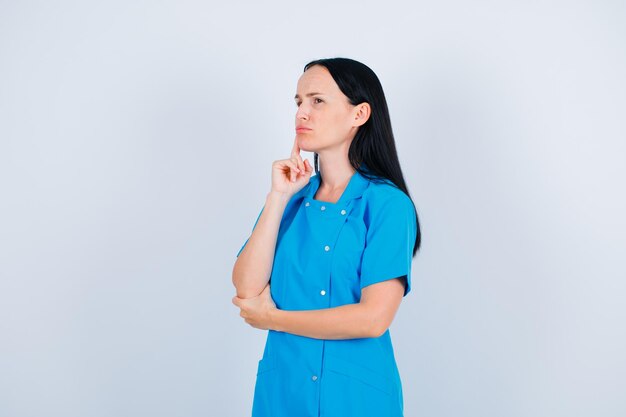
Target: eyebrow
(307, 95)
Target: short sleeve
(389, 242)
(255, 222)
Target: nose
(301, 114)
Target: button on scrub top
(325, 254)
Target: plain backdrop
(136, 143)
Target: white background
(136, 142)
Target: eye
(315, 99)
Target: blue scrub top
(325, 254)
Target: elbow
(237, 283)
(245, 291)
(242, 291)
(376, 330)
(235, 276)
(376, 324)
(243, 283)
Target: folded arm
(371, 317)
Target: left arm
(371, 317)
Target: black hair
(373, 149)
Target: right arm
(253, 267)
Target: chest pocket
(349, 246)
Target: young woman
(329, 257)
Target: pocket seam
(358, 372)
(266, 364)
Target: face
(326, 111)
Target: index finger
(295, 151)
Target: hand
(257, 311)
(291, 175)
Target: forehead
(317, 79)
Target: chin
(305, 146)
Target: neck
(336, 172)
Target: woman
(336, 248)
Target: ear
(362, 113)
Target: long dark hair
(373, 149)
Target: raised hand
(290, 175)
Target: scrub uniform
(325, 254)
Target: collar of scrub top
(355, 188)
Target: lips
(302, 129)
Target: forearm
(253, 267)
(348, 321)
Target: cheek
(333, 124)
(341, 124)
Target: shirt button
(307, 204)
(343, 212)
(326, 248)
(323, 208)
(323, 292)
(314, 377)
